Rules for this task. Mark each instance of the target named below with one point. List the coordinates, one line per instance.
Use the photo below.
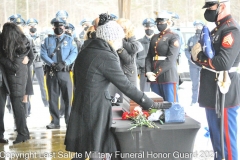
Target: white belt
(232, 69)
(159, 58)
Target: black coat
(91, 116)
(128, 58)
(16, 71)
(141, 56)
(226, 43)
(164, 44)
(3, 79)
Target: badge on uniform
(74, 43)
(228, 41)
(65, 43)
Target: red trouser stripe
(227, 137)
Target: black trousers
(60, 81)
(3, 97)
(20, 119)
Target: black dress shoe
(3, 140)
(53, 126)
(19, 141)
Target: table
(169, 141)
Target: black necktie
(59, 55)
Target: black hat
(210, 3)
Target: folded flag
(206, 43)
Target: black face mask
(162, 27)
(211, 15)
(86, 28)
(149, 32)
(58, 31)
(33, 30)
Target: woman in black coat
(96, 66)
(14, 47)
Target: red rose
(146, 114)
(125, 115)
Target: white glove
(151, 76)
(195, 50)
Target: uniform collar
(223, 20)
(61, 37)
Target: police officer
(62, 14)
(226, 41)
(161, 61)
(58, 52)
(29, 87)
(149, 25)
(70, 31)
(13, 17)
(193, 68)
(85, 23)
(175, 17)
(37, 63)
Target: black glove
(59, 66)
(161, 105)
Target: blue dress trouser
(195, 78)
(230, 132)
(168, 91)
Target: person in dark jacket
(148, 25)
(226, 45)
(96, 66)
(161, 61)
(4, 91)
(20, 22)
(127, 54)
(193, 68)
(14, 61)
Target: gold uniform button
(205, 61)
(216, 29)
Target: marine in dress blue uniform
(193, 68)
(58, 76)
(161, 61)
(37, 63)
(149, 25)
(226, 41)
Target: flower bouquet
(139, 118)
